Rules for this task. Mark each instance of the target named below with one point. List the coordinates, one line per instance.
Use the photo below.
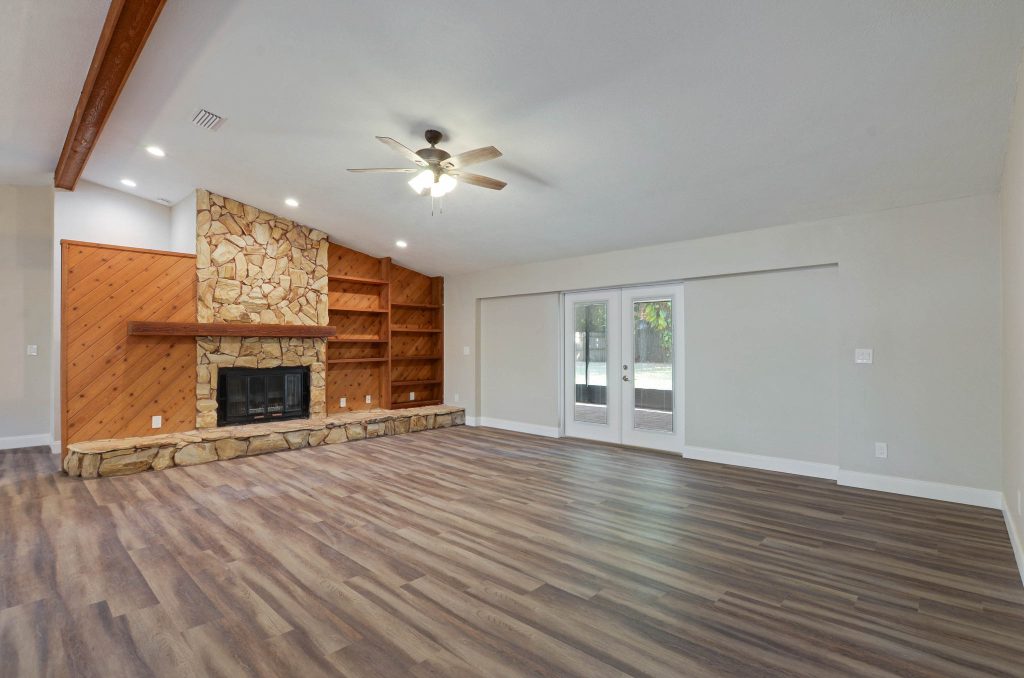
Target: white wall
(919, 285)
(26, 231)
(517, 357)
(183, 225)
(761, 363)
(94, 213)
(1013, 325)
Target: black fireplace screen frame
(269, 394)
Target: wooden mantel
(170, 329)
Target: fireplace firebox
(246, 395)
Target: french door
(623, 366)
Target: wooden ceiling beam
(125, 31)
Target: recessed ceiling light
(291, 202)
(401, 243)
(156, 151)
(128, 182)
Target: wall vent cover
(207, 120)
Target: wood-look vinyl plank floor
(477, 552)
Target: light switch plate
(32, 349)
(882, 450)
(465, 350)
(863, 356)
(455, 397)
(412, 395)
(158, 421)
(342, 402)
(369, 399)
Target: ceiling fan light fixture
(443, 186)
(422, 181)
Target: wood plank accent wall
(113, 383)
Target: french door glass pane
(653, 348)
(591, 337)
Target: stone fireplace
(257, 267)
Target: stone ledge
(125, 456)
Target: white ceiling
(622, 123)
(45, 51)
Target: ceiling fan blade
(471, 157)
(403, 170)
(404, 150)
(480, 180)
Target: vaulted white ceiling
(45, 51)
(622, 123)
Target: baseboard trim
(517, 426)
(15, 442)
(765, 463)
(959, 494)
(1011, 527)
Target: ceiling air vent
(207, 120)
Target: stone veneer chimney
(256, 267)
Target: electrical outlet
(882, 450)
(369, 399)
(32, 349)
(158, 421)
(412, 395)
(863, 356)
(342, 402)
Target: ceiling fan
(439, 171)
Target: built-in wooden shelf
(168, 329)
(339, 361)
(356, 309)
(413, 403)
(357, 280)
(426, 306)
(382, 309)
(355, 340)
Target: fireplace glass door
(247, 395)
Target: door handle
(625, 378)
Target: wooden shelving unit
(417, 338)
(414, 403)
(390, 335)
(354, 278)
(358, 304)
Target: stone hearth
(126, 456)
